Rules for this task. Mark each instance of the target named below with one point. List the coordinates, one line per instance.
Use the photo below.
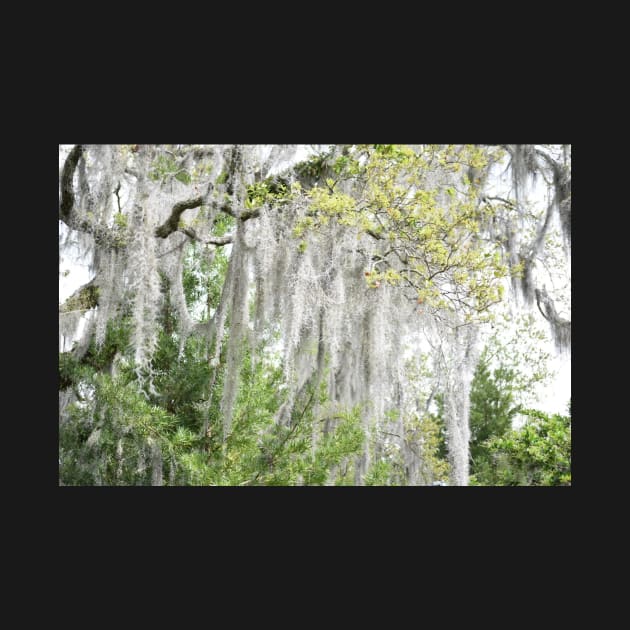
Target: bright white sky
(553, 398)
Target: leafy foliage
(380, 473)
(433, 448)
(517, 347)
(166, 168)
(492, 409)
(203, 276)
(510, 366)
(84, 300)
(430, 229)
(260, 451)
(537, 454)
(273, 190)
(155, 392)
(113, 433)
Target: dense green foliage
(173, 385)
(113, 434)
(116, 436)
(507, 372)
(536, 454)
(492, 410)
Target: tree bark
(66, 202)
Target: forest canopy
(312, 315)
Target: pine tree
(492, 410)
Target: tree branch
(117, 193)
(213, 240)
(373, 234)
(67, 193)
(101, 233)
(83, 299)
(549, 312)
(172, 223)
(507, 202)
(550, 161)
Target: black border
(414, 518)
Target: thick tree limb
(548, 310)
(560, 328)
(550, 161)
(83, 299)
(213, 240)
(172, 223)
(67, 193)
(103, 235)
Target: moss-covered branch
(172, 223)
(103, 235)
(66, 202)
(83, 299)
(548, 310)
(212, 240)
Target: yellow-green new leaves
(333, 204)
(273, 190)
(424, 212)
(120, 220)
